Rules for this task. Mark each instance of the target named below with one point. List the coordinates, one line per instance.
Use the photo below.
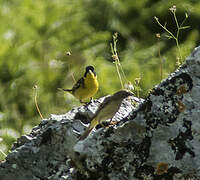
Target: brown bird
(106, 110)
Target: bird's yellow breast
(89, 88)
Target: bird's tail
(93, 124)
(68, 90)
(85, 134)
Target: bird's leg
(111, 122)
(83, 102)
(103, 125)
(87, 103)
(91, 100)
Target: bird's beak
(90, 72)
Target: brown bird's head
(123, 94)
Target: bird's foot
(87, 103)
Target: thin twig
(36, 104)
(73, 77)
(116, 60)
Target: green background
(35, 36)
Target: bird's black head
(89, 68)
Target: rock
(155, 138)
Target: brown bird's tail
(93, 124)
(85, 134)
(68, 90)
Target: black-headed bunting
(106, 110)
(86, 87)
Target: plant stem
(36, 104)
(3, 153)
(165, 29)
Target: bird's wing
(93, 123)
(79, 83)
(103, 104)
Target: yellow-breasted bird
(106, 110)
(86, 87)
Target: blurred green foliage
(35, 35)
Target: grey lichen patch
(43, 153)
(178, 144)
(113, 155)
(164, 103)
